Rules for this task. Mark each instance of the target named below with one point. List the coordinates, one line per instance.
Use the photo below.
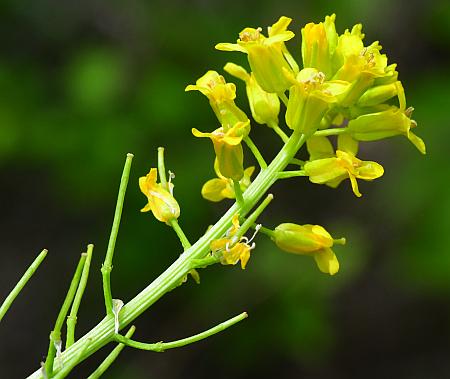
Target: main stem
(103, 333)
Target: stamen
(257, 228)
(409, 111)
(170, 185)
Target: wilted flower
(160, 200)
(228, 148)
(231, 251)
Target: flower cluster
(343, 93)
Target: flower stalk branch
(160, 347)
(107, 264)
(21, 283)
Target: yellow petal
(198, 133)
(224, 46)
(213, 189)
(326, 261)
(354, 185)
(347, 143)
(280, 26)
(418, 142)
(370, 170)
(147, 208)
(237, 71)
(244, 256)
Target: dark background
(84, 82)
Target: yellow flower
(318, 45)
(332, 171)
(387, 123)
(309, 99)
(228, 148)
(267, 56)
(221, 187)
(160, 200)
(230, 251)
(312, 240)
(263, 105)
(221, 97)
(358, 64)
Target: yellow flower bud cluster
(343, 84)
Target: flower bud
(263, 105)
(311, 240)
(389, 123)
(160, 201)
(318, 45)
(377, 95)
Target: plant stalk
(103, 333)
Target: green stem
(182, 237)
(253, 217)
(67, 368)
(107, 264)
(238, 193)
(162, 168)
(298, 162)
(111, 357)
(291, 174)
(283, 98)
(21, 283)
(72, 319)
(163, 179)
(103, 332)
(284, 137)
(163, 346)
(55, 335)
(262, 163)
(266, 231)
(204, 262)
(330, 132)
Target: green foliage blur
(82, 83)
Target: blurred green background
(84, 82)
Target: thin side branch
(55, 335)
(72, 319)
(162, 346)
(111, 357)
(21, 283)
(107, 264)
